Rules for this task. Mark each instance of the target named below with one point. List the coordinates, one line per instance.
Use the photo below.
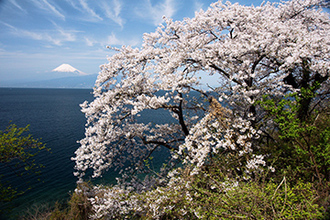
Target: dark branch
(159, 143)
(179, 112)
(224, 73)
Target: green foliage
(203, 196)
(301, 148)
(17, 152)
(16, 146)
(255, 200)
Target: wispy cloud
(7, 25)
(156, 12)
(112, 40)
(88, 13)
(41, 36)
(55, 36)
(198, 5)
(112, 11)
(65, 35)
(17, 5)
(89, 10)
(89, 42)
(168, 8)
(46, 6)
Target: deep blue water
(54, 116)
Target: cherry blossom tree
(271, 49)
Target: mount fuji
(67, 68)
(63, 76)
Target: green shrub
(17, 152)
(208, 196)
(300, 148)
(255, 200)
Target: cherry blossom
(271, 49)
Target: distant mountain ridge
(82, 81)
(63, 76)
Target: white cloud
(40, 36)
(8, 25)
(112, 11)
(57, 36)
(156, 12)
(65, 35)
(17, 6)
(74, 5)
(89, 42)
(112, 40)
(168, 8)
(45, 5)
(198, 5)
(89, 10)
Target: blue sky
(39, 35)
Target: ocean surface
(55, 118)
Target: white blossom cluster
(111, 202)
(122, 199)
(137, 198)
(254, 51)
(159, 201)
(213, 134)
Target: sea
(55, 118)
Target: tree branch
(159, 143)
(224, 73)
(181, 119)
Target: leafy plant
(17, 153)
(300, 147)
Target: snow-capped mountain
(64, 76)
(67, 68)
